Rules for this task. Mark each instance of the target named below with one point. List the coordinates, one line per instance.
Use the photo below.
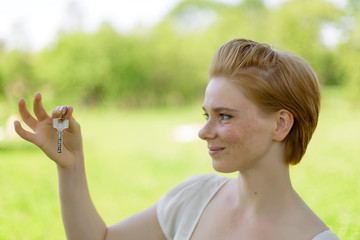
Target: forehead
(222, 92)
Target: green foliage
(167, 64)
(296, 27)
(16, 70)
(92, 68)
(348, 53)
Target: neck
(264, 189)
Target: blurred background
(136, 72)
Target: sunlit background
(135, 72)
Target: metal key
(60, 124)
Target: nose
(207, 132)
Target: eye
(225, 117)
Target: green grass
(132, 159)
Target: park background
(138, 95)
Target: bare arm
(80, 217)
(143, 225)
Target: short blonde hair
(274, 80)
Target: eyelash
(206, 116)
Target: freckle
(255, 193)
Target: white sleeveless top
(180, 209)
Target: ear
(284, 123)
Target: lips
(215, 150)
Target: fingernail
(60, 108)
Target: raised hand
(45, 136)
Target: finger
(69, 112)
(25, 115)
(28, 136)
(39, 110)
(57, 111)
(74, 126)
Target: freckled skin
(246, 136)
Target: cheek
(248, 136)
(259, 137)
(241, 136)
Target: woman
(262, 108)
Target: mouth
(215, 150)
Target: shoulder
(326, 235)
(197, 181)
(190, 189)
(181, 207)
(198, 184)
(315, 227)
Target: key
(60, 124)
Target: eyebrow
(220, 109)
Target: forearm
(80, 218)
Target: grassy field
(132, 159)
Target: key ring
(63, 113)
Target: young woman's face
(238, 133)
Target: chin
(225, 166)
(222, 168)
